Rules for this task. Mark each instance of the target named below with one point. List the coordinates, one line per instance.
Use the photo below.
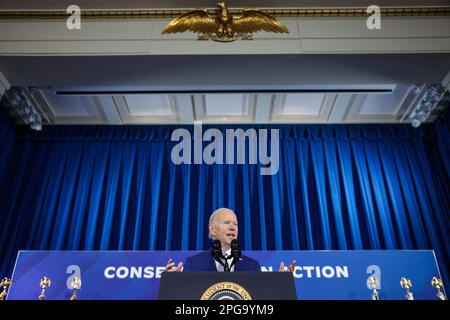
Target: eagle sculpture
(224, 26)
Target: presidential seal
(226, 291)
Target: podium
(227, 286)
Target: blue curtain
(339, 187)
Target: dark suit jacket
(204, 261)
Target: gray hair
(212, 217)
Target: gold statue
(5, 283)
(223, 26)
(437, 284)
(44, 284)
(75, 284)
(373, 285)
(406, 284)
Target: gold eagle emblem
(223, 26)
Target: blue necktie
(226, 267)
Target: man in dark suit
(223, 226)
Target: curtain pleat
(346, 170)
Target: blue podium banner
(125, 275)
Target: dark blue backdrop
(114, 187)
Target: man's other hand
(289, 269)
(170, 266)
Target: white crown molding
(189, 4)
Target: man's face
(225, 228)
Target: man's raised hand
(289, 269)
(170, 266)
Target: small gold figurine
(5, 283)
(373, 285)
(437, 283)
(75, 284)
(406, 284)
(44, 284)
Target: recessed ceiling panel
(148, 105)
(225, 104)
(384, 103)
(70, 106)
(303, 104)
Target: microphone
(217, 254)
(216, 249)
(235, 251)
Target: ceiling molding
(278, 12)
(185, 4)
(330, 108)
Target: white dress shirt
(219, 267)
